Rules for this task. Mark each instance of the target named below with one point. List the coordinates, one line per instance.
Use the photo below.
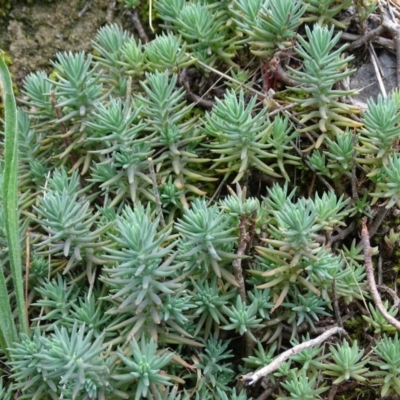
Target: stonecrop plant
(180, 213)
(323, 67)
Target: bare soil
(32, 34)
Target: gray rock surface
(365, 79)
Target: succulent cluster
(147, 274)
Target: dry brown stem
(237, 263)
(370, 276)
(392, 293)
(364, 39)
(200, 101)
(394, 29)
(253, 377)
(156, 193)
(376, 223)
(244, 239)
(138, 25)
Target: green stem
(10, 201)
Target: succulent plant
(388, 352)
(146, 273)
(270, 26)
(240, 138)
(323, 67)
(347, 363)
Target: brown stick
(253, 377)
(192, 96)
(275, 67)
(138, 25)
(376, 223)
(268, 392)
(344, 233)
(332, 392)
(364, 39)
(156, 193)
(237, 263)
(392, 293)
(85, 8)
(244, 239)
(384, 42)
(394, 29)
(370, 276)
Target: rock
(365, 79)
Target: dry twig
(85, 8)
(244, 239)
(392, 293)
(237, 263)
(394, 29)
(384, 42)
(192, 96)
(268, 392)
(364, 39)
(275, 66)
(332, 392)
(156, 193)
(376, 223)
(253, 377)
(343, 233)
(370, 276)
(378, 70)
(138, 25)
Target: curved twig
(370, 276)
(253, 377)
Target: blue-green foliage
(150, 276)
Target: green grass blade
(3, 345)
(10, 202)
